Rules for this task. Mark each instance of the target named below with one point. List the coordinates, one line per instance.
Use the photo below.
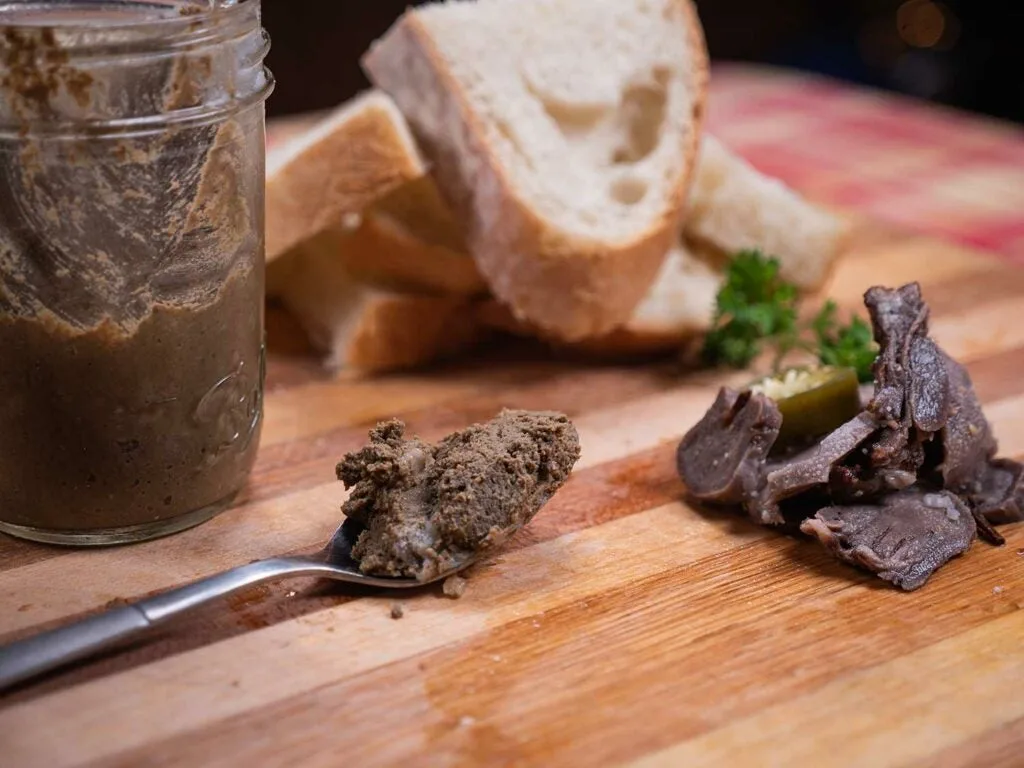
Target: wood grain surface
(621, 627)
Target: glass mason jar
(131, 264)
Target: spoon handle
(45, 652)
(33, 656)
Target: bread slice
(379, 250)
(382, 250)
(345, 163)
(423, 213)
(282, 130)
(371, 328)
(679, 307)
(395, 331)
(563, 133)
(734, 207)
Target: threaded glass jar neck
(127, 66)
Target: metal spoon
(45, 652)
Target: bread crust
(370, 325)
(394, 331)
(572, 287)
(382, 251)
(366, 155)
(808, 240)
(629, 341)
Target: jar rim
(58, 81)
(139, 32)
(189, 13)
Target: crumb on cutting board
(454, 587)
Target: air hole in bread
(629, 190)
(574, 120)
(644, 106)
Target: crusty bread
(424, 214)
(563, 133)
(733, 207)
(394, 331)
(369, 328)
(282, 130)
(370, 295)
(379, 250)
(345, 163)
(679, 306)
(382, 250)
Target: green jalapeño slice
(813, 401)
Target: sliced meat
(915, 396)
(929, 396)
(807, 470)
(967, 438)
(898, 448)
(922, 426)
(722, 459)
(897, 317)
(900, 321)
(998, 492)
(857, 483)
(968, 451)
(903, 539)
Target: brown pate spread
(426, 509)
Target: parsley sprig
(756, 309)
(754, 304)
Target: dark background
(965, 53)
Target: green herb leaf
(848, 346)
(754, 305)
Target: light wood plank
(938, 696)
(303, 412)
(996, 748)
(902, 263)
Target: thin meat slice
(856, 484)
(915, 397)
(967, 440)
(898, 316)
(722, 459)
(904, 538)
(968, 451)
(929, 396)
(812, 468)
(998, 492)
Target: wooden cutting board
(621, 626)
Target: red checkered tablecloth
(939, 171)
(947, 173)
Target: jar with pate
(131, 264)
